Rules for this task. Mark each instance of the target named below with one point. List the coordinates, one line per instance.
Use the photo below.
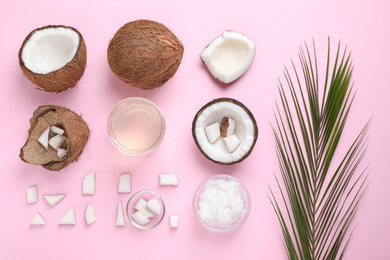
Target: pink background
(278, 28)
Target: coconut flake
(61, 153)
(53, 199)
(89, 184)
(57, 141)
(228, 126)
(57, 130)
(229, 56)
(38, 220)
(232, 142)
(174, 221)
(154, 206)
(124, 185)
(169, 179)
(32, 195)
(120, 217)
(213, 132)
(90, 214)
(69, 218)
(140, 205)
(140, 218)
(44, 138)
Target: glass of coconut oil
(136, 126)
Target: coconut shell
(144, 54)
(63, 78)
(76, 132)
(255, 135)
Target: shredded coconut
(221, 203)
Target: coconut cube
(232, 142)
(174, 221)
(69, 218)
(154, 206)
(140, 218)
(213, 132)
(89, 184)
(169, 179)
(90, 214)
(38, 220)
(32, 195)
(124, 185)
(120, 217)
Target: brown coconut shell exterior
(144, 54)
(76, 132)
(63, 78)
(224, 99)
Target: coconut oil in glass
(136, 126)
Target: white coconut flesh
(50, 49)
(245, 131)
(229, 56)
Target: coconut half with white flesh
(245, 129)
(229, 56)
(53, 57)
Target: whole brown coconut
(53, 57)
(144, 54)
(76, 133)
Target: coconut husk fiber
(144, 54)
(64, 78)
(76, 133)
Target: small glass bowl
(121, 110)
(243, 193)
(146, 195)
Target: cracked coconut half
(53, 57)
(229, 56)
(225, 131)
(57, 137)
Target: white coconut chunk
(50, 49)
(90, 214)
(228, 126)
(154, 206)
(169, 179)
(57, 130)
(232, 142)
(56, 141)
(140, 218)
(89, 184)
(140, 205)
(124, 185)
(61, 153)
(174, 221)
(38, 220)
(32, 195)
(229, 56)
(120, 217)
(213, 132)
(53, 199)
(69, 218)
(43, 139)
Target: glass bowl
(221, 203)
(146, 195)
(136, 126)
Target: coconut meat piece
(50, 49)
(244, 130)
(229, 56)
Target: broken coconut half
(229, 56)
(61, 151)
(144, 54)
(53, 57)
(242, 137)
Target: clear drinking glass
(136, 126)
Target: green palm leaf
(320, 195)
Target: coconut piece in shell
(76, 133)
(53, 57)
(144, 54)
(245, 129)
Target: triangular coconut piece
(38, 220)
(53, 199)
(120, 217)
(69, 218)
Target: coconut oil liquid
(138, 129)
